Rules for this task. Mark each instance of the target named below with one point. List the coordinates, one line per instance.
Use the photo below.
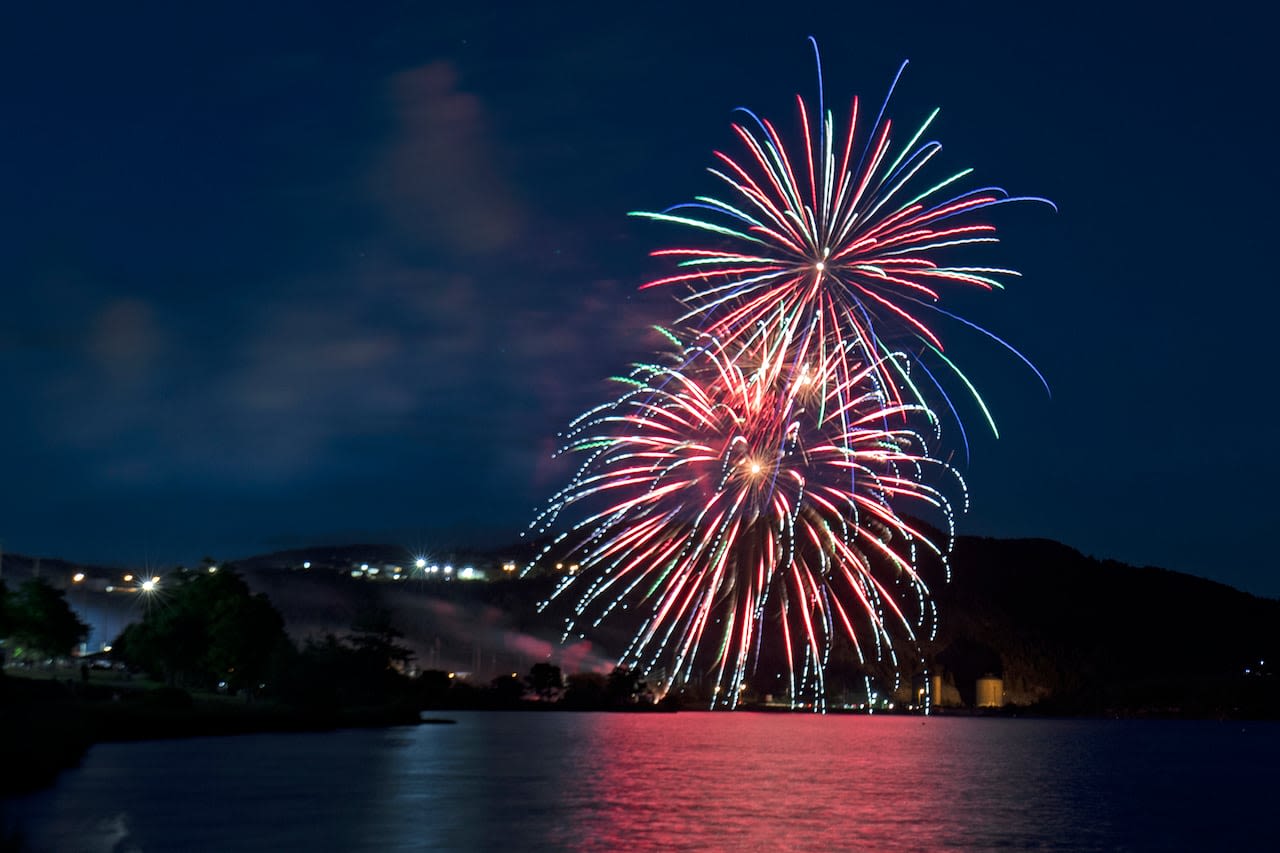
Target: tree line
(210, 632)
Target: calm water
(690, 781)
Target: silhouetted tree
(39, 618)
(208, 628)
(546, 681)
(433, 688)
(372, 634)
(507, 689)
(316, 676)
(624, 686)
(360, 669)
(585, 691)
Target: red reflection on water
(764, 782)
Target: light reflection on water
(527, 781)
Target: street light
(76, 580)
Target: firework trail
(733, 498)
(845, 238)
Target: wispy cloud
(439, 177)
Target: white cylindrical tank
(990, 692)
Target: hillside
(1087, 634)
(1066, 632)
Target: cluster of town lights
(421, 567)
(141, 583)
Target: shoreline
(48, 726)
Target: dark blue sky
(314, 274)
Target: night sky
(312, 274)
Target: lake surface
(690, 781)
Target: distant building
(990, 692)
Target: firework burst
(739, 499)
(844, 237)
(744, 498)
